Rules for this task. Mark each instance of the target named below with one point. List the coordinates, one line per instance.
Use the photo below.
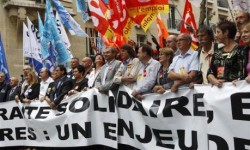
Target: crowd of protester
(219, 58)
(223, 57)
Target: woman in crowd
(31, 90)
(227, 63)
(128, 70)
(99, 62)
(163, 83)
(246, 39)
(80, 83)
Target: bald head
(87, 62)
(14, 81)
(171, 42)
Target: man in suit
(62, 86)
(14, 90)
(4, 87)
(104, 81)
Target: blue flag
(52, 44)
(49, 61)
(73, 27)
(3, 62)
(82, 8)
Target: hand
(176, 85)
(248, 79)
(174, 88)
(42, 99)
(52, 105)
(191, 85)
(26, 100)
(134, 93)
(235, 81)
(139, 97)
(218, 83)
(159, 89)
(17, 98)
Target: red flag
(162, 30)
(188, 20)
(120, 21)
(98, 12)
(143, 7)
(119, 40)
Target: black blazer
(33, 92)
(4, 87)
(61, 88)
(11, 96)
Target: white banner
(201, 119)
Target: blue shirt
(146, 77)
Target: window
(93, 35)
(173, 22)
(141, 39)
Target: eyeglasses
(180, 40)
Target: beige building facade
(14, 12)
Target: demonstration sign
(204, 118)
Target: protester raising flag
(189, 22)
(162, 30)
(3, 62)
(73, 27)
(52, 44)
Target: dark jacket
(33, 92)
(4, 87)
(11, 94)
(61, 88)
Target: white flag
(62, 31)
(26, 42)
(35, 41)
